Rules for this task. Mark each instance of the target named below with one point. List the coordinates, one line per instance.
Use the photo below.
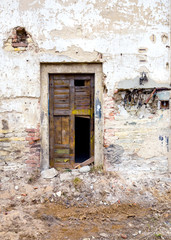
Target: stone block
(49, 173)
(84, 169)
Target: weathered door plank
(67, 100)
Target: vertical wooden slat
(65, 130)
(72, 123)
(58, 129)
(92, 117)
(51, 120)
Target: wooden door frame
(71, 68)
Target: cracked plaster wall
(107, 31)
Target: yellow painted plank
(81, 111)
(62, 151)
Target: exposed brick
(35, 138)
(33, 150)
(33, 157)
(33, 165)
(19, 44)
(106, 145)
(14, 40)
(37, 134)
(31, 161)
(31, 130)
(111, 114)
(29, 139)
(35, 146)
(31, 134)
(37, 154)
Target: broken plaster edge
(135, 84)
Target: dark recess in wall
(82, 139)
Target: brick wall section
(110, 112)
(135, 139)
(19, 40)
(109, 117)
(33, 139)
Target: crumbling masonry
(124, 44)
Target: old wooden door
(70, 97)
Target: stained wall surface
(127, 37)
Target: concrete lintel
(135, 84)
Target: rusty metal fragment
(151, 95)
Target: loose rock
(124, 236)
(104, 235)
(49, 173)
(84, 169)
(59, 194)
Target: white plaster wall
(79, 31)
(109, 27)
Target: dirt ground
(69, 207)
(105, 222)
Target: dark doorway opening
(82, 138)
(79, 83)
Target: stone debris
(49, 173)
(84, 169)
(105, 235)
(124, 236)
(66, 176)
(90, 199)
(78, 185)
(59, 194)
(16, 188)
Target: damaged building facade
(85, 78)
